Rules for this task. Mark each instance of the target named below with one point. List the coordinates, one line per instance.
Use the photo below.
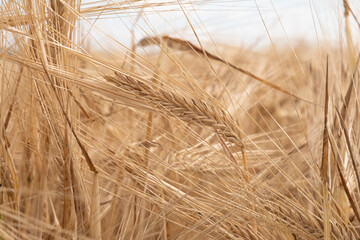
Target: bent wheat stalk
(186, 45)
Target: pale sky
(237, 22)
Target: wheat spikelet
(189, 110)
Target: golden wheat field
(175, 136)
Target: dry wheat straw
(324, 169)
(132, 157)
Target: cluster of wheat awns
(176, 142)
